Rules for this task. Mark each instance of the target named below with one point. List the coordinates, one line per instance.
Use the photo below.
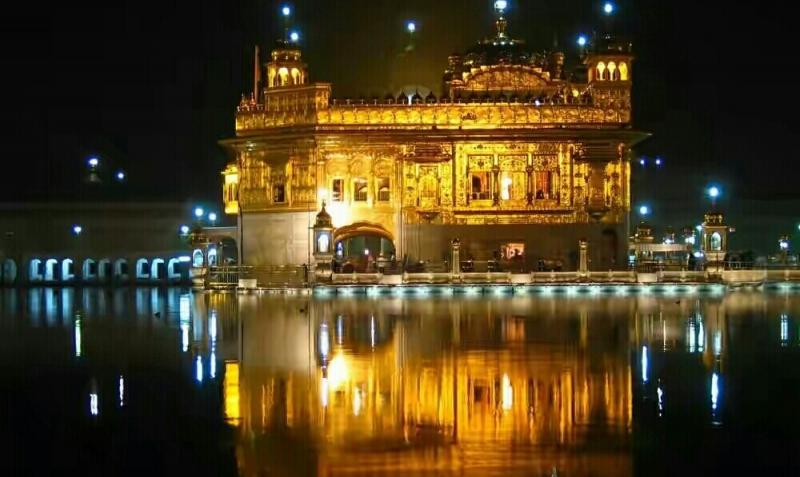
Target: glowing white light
(505, 193)
(338, 371)
(212, 364)
(78, 338)
(294, 36)
(508, 393)
(784, 329)
(94, 162)
(713, 192)
(660, 394)
(714, 391)
(94, 404)
(537, 103)
(357, 402)
(691, 336)
(324, 341)
(501, 5)
(198, 370)
(184, 259)
(199, 212)
(411, 27)
(717, 343)
(372, 331)
(184, 315)
(212, 216)
(582, 40)
(644, 210)
(608, 8)
(212, 326)
(185, 230)
(121, 391)
(323, 391)
(120, 175)
(339, 329)
(701, 335)
(642, 161)
(658, 161)
(286, 10)
(366, 252)
(783, 244)
(77, 229)
(644, 364)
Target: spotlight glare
(286, 10)
(294, 37)
(582, 40)
(411, 27)
(199, 212)
(609, 8)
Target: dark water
(156, 382)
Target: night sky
(151, 87)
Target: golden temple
(518, 153)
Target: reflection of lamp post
(783, 246)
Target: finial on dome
(500, 7)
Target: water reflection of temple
(474, 380)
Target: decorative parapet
(479, 116)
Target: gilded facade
(515, 150)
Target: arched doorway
(363, 247)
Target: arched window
(384, 192)
(296, 79)
(613, 74)
(601, 71)
(623, 71)
(360, 190)
(197, 258)
(716, 242)
(283, 74)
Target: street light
(294, 36)
(644, 211)
(411, 27)
(184, 230)
(77, 229)
(500, 6)
(608, 8)
(93, 162)
(714, 192)
(212, 217)
(286, 10)
(199, 212)
(582, 40)
(120, 176)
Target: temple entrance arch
(362, 247)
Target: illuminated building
(518, 149)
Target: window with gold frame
(383, 186)
(481, 178)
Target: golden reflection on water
(436, 385)
(399, 386)
(478, 386)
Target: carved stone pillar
(529, 194)
(495, 185)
